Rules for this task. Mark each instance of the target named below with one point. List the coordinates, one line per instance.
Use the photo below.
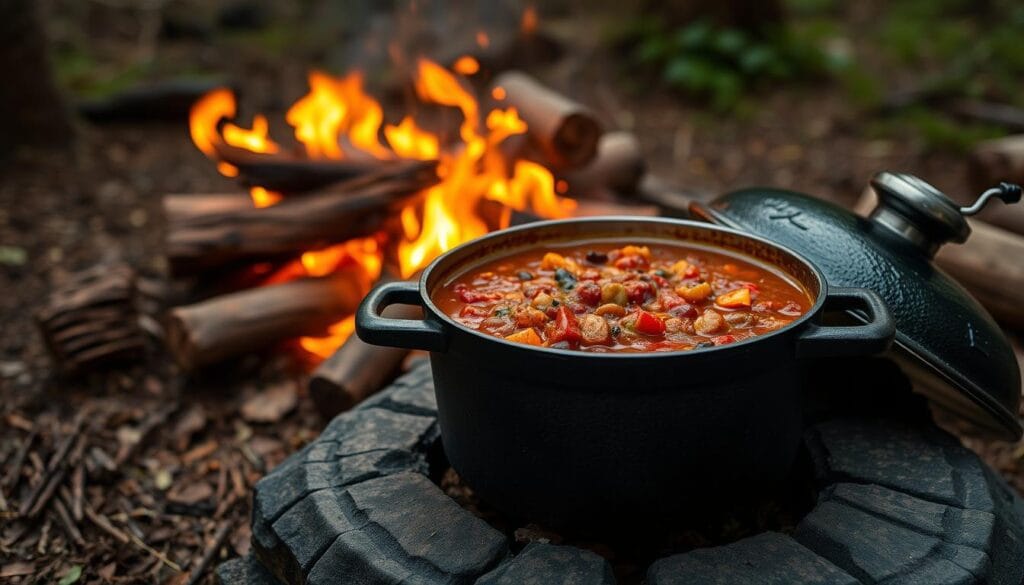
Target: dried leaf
(108, 571)
(271, 404)
(191, 494)
(241, 540)
(190, 423)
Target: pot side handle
(373, 328)
(872, 337)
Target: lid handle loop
(1008, 192)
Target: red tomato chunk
(624, 298)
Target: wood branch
(564, 132)
(229, 325)
(93, 319)
(991, 162)
(357, 370)
(297, 224)
(292, 173)
(219, 538)
(170, 99)
(1005, 115)
(618, 166)
(988, 265)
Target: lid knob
(924, 216)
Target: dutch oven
(568, 436)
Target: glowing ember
(529, 22)
(466, 65)
(263, 198)
(337, 119)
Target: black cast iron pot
(567, 436)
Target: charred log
(221, 234)
(232, 324)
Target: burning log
(618, 166)
(357, 370)
(220, 234)
(564, 132)
(988, 265)
(94, 319)
(232, 324)
(291, 173)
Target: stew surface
(607, 297)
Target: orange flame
(367, 256)
(333, 107)
(448, 215)
(408, 141)
(206, 114)
(254, 140)
(263, 198)
(482, 39)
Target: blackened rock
(548, 564)
(874, 549)
(921, 461)
(408, 514)
(971, 528)
(244, 571)
(765, 559)
(412, 393)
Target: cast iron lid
(953, 347)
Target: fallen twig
(210, 554)
(67, 523)
(104, 524)
(13, 474)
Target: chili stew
(607, 297)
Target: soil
(189, 456)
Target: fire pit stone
(536, 563)
(898, 500)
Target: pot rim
(811, 313)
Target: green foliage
(975, 46)
(723, 64)
(72, 576)
(933, 130)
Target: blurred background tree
(33, 110)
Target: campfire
(343, 194)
